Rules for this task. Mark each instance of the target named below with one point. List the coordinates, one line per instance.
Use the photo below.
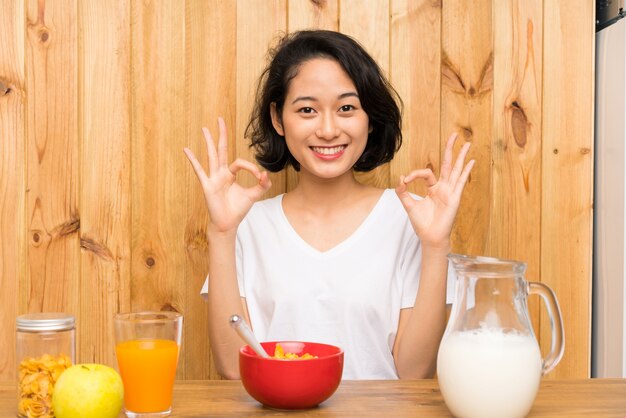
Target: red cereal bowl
(291, 384)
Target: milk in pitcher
(475, 369)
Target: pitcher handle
(556, 322)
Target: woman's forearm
(419, 335)
(223, 301)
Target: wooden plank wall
(12, 178)
(100, 212)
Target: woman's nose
(328, 129)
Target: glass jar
(45, 347)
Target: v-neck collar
(346, 243)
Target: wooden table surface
(595, 398)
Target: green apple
(88, 390)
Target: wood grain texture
(370, 26)
(515, 225)
(159, 169)
(579, 398)
(416, 75)
(310, 14)
(12, 178)
(598, 398)
(104, 120)
(52, 207)
(210, 82)
(260, 25)
(466, 108)
(567, 176)
(313, 14)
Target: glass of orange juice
(147, 346)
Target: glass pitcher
(489, 363)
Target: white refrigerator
(609, 266)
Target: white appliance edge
(609, 253)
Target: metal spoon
(244, 331)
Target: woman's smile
(329, 153)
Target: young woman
(333, 260)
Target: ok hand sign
(433, 217)
(227, 201)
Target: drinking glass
(147, 347)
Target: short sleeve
(410, 268)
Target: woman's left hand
(433, 217)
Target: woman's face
(322, 121)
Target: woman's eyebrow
(313, 99)
(304, 98)
(349, 94)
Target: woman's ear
(276, 121)
(371, 128)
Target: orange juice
(148, 368)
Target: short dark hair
(379, 99)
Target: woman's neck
(314, 192)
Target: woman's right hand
(227, 201)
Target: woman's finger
(241, 164)
(446, 164)
(460, 185)
(256, 192)
(197, 167)
(458, 165)
(210, 148)
(403, 194)
(222, 144)
(425, 173)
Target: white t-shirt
(349, 296)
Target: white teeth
(328, 151)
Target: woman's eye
(346, 108)
(306, 110)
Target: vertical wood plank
(416, 75)
(370, 26)
(104, 120)
(12, 177)
(159, 169)
(210, 82)
(567, 176)
(53, 281)
(310, 14)
(515, 229)
(260, 24)
(466, 108)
